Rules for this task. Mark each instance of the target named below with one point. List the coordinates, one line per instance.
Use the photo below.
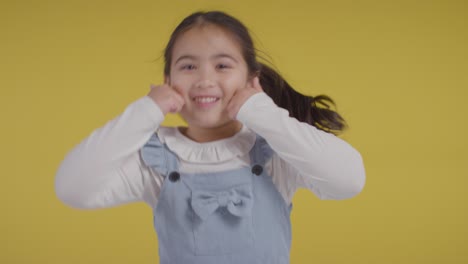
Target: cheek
(232, 91)
(235, 84)
(180, 85)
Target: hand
(241, 96)
(167, 98)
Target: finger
(257, 85)
(253, 83)
(176, 89)
(177, 100)
(180, 100)
(233, 107)
(250, 84)
(176, 104)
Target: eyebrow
(183, 57)
(224, 55)
(217, 56)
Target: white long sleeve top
(106, 169)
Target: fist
(241, 96)
(167, 98)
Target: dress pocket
(222, 222)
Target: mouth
(205, 101)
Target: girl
(220, 188)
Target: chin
(211, 123)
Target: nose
(206, 78)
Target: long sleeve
(105, 169)
(325, 164)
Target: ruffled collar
(209, 152)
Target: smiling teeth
(205, 99)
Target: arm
(325, 164)
(105, 169)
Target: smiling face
(207, 68)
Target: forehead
(206, 40)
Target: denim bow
(238, 201)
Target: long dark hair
(313, 110)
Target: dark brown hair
(313, 110)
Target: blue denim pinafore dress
(231, 217)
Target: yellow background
(397, 69)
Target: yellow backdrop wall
(398, 71)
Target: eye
(223, 66)
(188, 67)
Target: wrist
(249, 105)
(156, 107)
